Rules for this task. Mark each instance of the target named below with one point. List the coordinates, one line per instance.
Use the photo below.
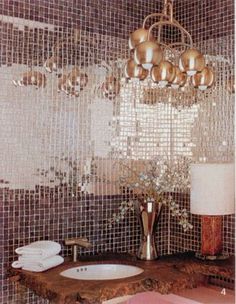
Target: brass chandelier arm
(171, 45)
(160, 15)
(170, 7)
(169, 18)
(172, 50)
(164, 61)
(160, 23)
(164, 13)
(159, 31)
(154, 15)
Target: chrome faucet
(75, 242)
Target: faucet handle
(83, 242)
(75, 242)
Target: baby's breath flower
(160, 178)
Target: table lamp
(212, 195)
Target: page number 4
(223, 291)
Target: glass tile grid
(210, 137)
(43, 131)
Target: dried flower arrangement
(154, 184)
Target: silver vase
(148, 214)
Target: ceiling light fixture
(204, 79)
(164, 62)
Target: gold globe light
(139, 36)
(78, 79)
(180, 79)
(204, 79)
(132, 70)
(111, 87)
(147, 54)
(231, 85)
(191, 62)
(164, 73)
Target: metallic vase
(148, 213)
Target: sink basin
(101, 272)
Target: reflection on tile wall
(206, 19)
(60, 144)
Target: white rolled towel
(39, 266)
(17, 264)
(41, 249)
(30, 258)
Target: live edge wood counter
(168, 274)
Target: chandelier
(163, 62)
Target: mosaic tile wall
(206, 19)
(60, 152)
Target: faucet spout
(82, 242)
(75, 242)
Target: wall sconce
(212, 196)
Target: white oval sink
(101, 272)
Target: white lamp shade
(212, 189)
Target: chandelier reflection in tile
(163, 62)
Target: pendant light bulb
(191, 73)
(179, 80)
(204, 79)
(147, 66)
(202, 87)
(164, 73)
(162, 83)
(132, 70)
(139, 36)
(231, 85)
(191, 61)
(148, 54)
(175, 86)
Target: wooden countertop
(168, 274)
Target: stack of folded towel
(38, 256)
